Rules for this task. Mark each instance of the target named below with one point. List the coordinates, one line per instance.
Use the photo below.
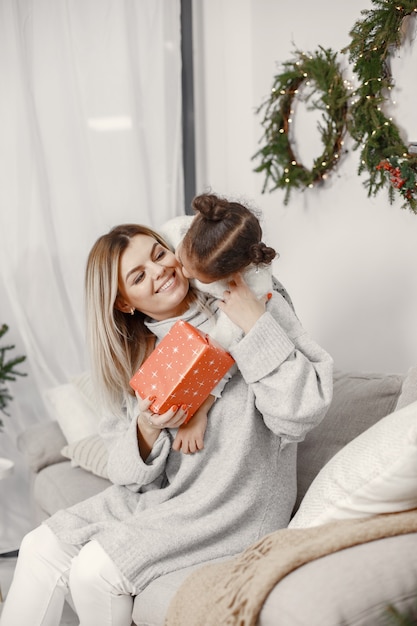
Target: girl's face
(151, 280)
(188, 268)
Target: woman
(167, 510)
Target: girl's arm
(190, 436)
(241, 305)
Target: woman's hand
(173, 418)
(150, 424)
(241, 305)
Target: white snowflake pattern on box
(183, 369)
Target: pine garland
(278, 160)
(383, 152)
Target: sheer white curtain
(90, 127)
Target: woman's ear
(122, 305)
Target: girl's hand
(151, 422)
(241, 305)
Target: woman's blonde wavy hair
(118, 342)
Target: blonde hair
(118, 342)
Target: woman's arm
(150, 424)
(289, 373)
(139, 445)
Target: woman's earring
(132, 311)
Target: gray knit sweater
(174, 510)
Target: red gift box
(183, 369)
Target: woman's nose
(157, 270)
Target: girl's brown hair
(224, 238)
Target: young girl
(166, 511)
(223, 239)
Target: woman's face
(151, 280)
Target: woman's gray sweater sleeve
(125, 466)
(290, 375)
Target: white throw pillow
(84, 383)
(375, 473)
(73, 412)
(89, 453)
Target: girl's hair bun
(262, 254)
(211, 207)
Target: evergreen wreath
(384, 153)
(278, 160)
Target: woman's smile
(167, 284)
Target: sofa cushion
(359, 401)
(151, 605)
(61, 485)
(375, 473)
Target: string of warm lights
(278, 160)
(383, 153)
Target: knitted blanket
(232, 592)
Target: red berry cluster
(395, 177)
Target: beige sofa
(350, 587)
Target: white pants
(48, 569)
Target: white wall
(348, 261)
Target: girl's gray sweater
(174, 510)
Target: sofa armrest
(351, 587)
(41, 445)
